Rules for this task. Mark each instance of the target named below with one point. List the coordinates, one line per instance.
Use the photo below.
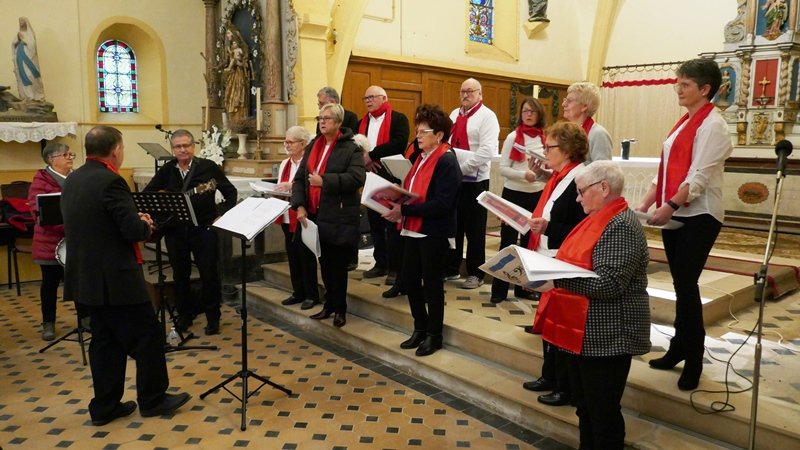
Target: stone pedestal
(265, 168)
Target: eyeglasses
(323, 118)
(569, 100)
(528, 111)
(287, 143)
(682, 86)
(468, 91)
(369, 98)
(68, 155)
(582, 192)
(548, 147)
(183, 146)
(424, 131)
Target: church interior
(239, 73)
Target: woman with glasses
(326, 191)
(302, 262)
(50, 180)
(688, 188)
(579, 106)
(522, 186)
(556, 214)
(428, 223)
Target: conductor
(102, 231)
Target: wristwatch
(673, 205)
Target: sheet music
(379, 193)
(463, 156)
(265, 187)
(251, 215)
(513, 215)
(310, 236)
(528, 268)
(644, 217)
(397, 165)
(49, 209)
(536, 152)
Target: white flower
(213, 143)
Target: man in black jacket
(102, 231)
(186, 173)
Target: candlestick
(258, 109)
(207, 119)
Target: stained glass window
(116, 78)
(481, 21)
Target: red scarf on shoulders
(552, 183)
(680, 155)
(422, 180)
(315, 192)
(384, 133)
(587, 125)
(522, 131)
(136, 249)
(287, 171)
(459, 138)
(561, 314)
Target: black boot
(429, 345)
(690, 376)
(674, 355)
(415, 340)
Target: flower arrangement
(213, 144)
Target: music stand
(244, 221)
(168, 209)
(49, 207)
(157, 151)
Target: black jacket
(397, 144)
(338, 214)
(565, 214)
(438, 212)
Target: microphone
(783, 149)
(158, 126)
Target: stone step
(501, 356)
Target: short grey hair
(298, 133)
(362, 142)
(337, 111)
(180, 133)
(586, 94)
(53, 149)
(604, 170)
(329, 92)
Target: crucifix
(764, 82)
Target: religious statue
(537, 11)
(237, 75)
(760, 130)
(26, 63)
(724, 90)
(735, 29)
(775, 13)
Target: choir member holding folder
(428, 223)
(521, 186)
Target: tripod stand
(260, 213)
(79, 330)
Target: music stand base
(244, 375)
(80, 340)
(180, 347)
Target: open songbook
(265, 187)
(250, 216)
(528, 268)
(536, 152)
(397, 165)
(644, 217)
(379, 194)
(513, 215)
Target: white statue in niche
(26, 63)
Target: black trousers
(52, 274)
(471, 223)
(555, 367)
(302, 265)
(333, 267)
(510, 236)
(597, 388)
(687, 250)
(200, 242)
(423, 273)
(387, 248)
(117, 333)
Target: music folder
(49, 207)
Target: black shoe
(496, 300)
(528, 329)
(393, 292)
(212, 328)
(309, 303)
(429, 345)
(666, 362)
(554, 399)
(121, 410)
(414, 341)
(182, 323)
(352, 266)
(375, 272)
(525, 295)
(339, 319)
(690, 376)
(539, 385)
(291, 300)
(168, 405)
(391, 279)
(322, 315)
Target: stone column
(211, 41)
(274, 52)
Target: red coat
(45, 238)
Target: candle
(207, 119)
(258, 109)
(224, 121)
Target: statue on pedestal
(30, 104)
(775, 13)
(537, 11)
(237, 75)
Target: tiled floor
(340, 399)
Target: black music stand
(168, 209)
(244, 221)
(49, 207)
(157, 151)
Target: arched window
(481, 21)
(116, 78)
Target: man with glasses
(183, 174)
(476, 129)
(387, 131)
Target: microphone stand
(761, 278)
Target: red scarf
(552, 183)
(680, 155)
(383, 134)
(522, 131)
(587, 125)
(136, 249)
(287, 170)
(459, 138)
(315, 192)
(422, 181)
(561, 314)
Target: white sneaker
(472, 282)
(451, 277)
